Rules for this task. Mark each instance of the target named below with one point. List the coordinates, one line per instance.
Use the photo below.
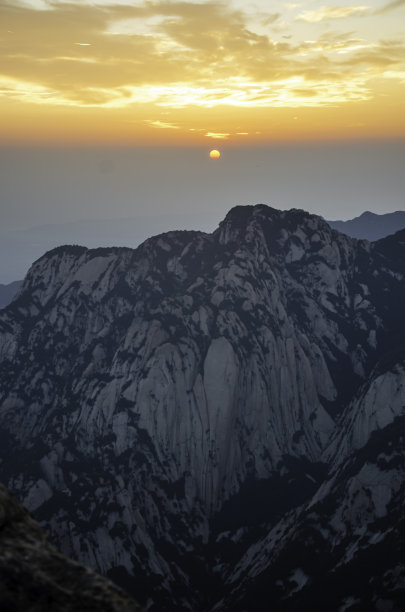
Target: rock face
(35, 577)
(219, 415)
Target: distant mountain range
(370, 226)
(7, 292)
(216, 421)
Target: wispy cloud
(397, 75)
(218, 135)
(162, 124)
(333, 43)
(332, 12)
(391, 6)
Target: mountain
(7, 292)
(35, 577)
(370, 226)
(216, 421)
(19, 248)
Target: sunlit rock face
(197, 411)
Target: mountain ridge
(371, 226)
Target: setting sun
(214, 154)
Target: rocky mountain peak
(288, 235)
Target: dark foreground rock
(35, 577)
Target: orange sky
(167, 72)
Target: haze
(109, 111)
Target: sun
(214, 154)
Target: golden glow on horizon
(195, 70)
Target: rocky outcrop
(166, 411)
(34, 577)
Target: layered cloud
(178, 54)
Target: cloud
(290, 6)
(395, 74)
(162, 124)
(218, 135)
(391, 6)
(378, 58)
(180, 54)
(333, 43)
(270, 19)
(331, 12)
(190, 43)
